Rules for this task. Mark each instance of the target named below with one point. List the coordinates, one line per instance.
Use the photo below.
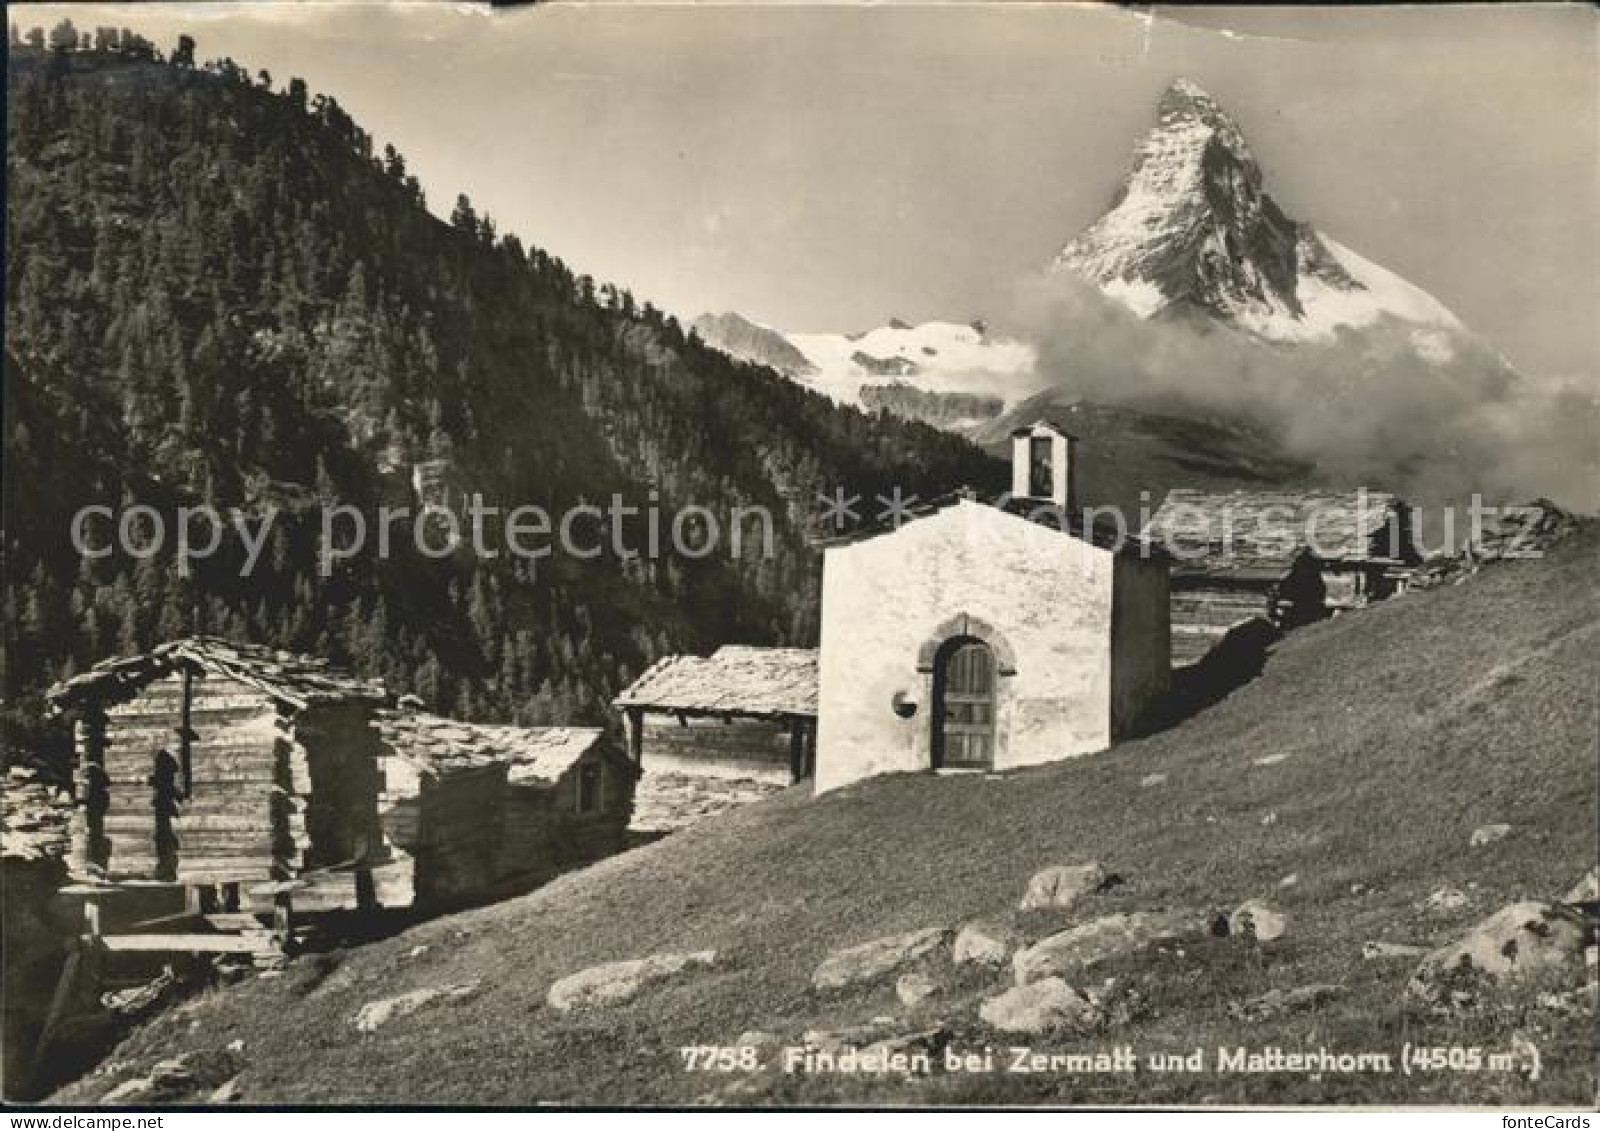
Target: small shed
(713, 731)
(208, 764)
(471, 810)
(1280, 558)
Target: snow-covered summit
(1193, 227)
(933, 357)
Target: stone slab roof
(37, 817)
(1252, 533)
(441, 746)
(301, 681)
(734, 680)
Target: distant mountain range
(1250, 313)
(950, 374)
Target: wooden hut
(1276, 558)
(471, 810)
(212, 765)
(718, 730)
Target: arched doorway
(963, 705)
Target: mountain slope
(1194, 228)
(1394, 733)
(739, 337)
(218, 292)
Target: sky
(828, 167)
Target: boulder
(1077, 947)
(1587, 889)
(1278, 1003)
(172, 1079)
(1260, 918)
(129, 1091)
(1445, 901)
(928, 1041)
(376, 1014)
(913, 989)
(617, 982)
(871, 961)
(1045, 1006)
(1372, 950)
(983, 944)
(860, 1036)
(1061, 886)
(1524, 938)
(1488, 834)
(760, 1040)
(173, 1074)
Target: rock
(873, 960)
(1578, 1001)
(1077, 947)
(135, 1002)
(236, 1046)
(1270, 760)
(225, 1093)
(1445, 901)
(129, 1091)
(850, 1037)
(929, 1041)
(983, 944)
(1045, 1006)
(616, 982)
(1524, 938)
(913, 989)
(1488, 834)
(1259, 918)
(760, 1040)
(172, 1075)
(1371, 950)
(376, 1014)
(1587, 889)
(1289, 881)
(1277, 1003)
(1152, 779)
(1061, 886)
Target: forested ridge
(220, 291)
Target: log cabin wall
(459, 830)
(331, 824)
(579, 837)
(189, 768)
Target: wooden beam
(57, 1011)
(633, 724)
(187, 943)
(797, 750)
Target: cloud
(1437, 416)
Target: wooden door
(964, 715)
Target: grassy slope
(1404, 727)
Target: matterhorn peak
(1194, 228)
(1182, 93)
